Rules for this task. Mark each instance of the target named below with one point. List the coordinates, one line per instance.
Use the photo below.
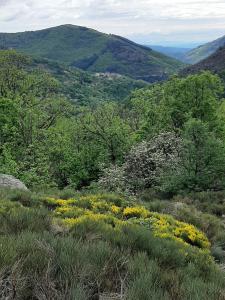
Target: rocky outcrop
(8, 181)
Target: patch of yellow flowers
(115, 210)
(135, 212)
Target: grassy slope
(104, 246)
(91, 50)
(204, 51)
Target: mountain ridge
(203, 51)
(215, 63)
(91, 50)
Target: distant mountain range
(93, 51)
(196, 55)
(191, 56)
(214, 63)
(175, 52)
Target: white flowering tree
(145, 165)
(147, 162)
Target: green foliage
(48, 141)
(84, 140)
(106, 126)
(204, 157)
(170, 105)
(192, 108)
(16, 218)
(80, 146)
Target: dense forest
(126, 185)
(174, 129)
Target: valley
(112, 168)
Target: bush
(14, 218)
(103, 209)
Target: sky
(163, 22)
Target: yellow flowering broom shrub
(165, 226)
(135, 212)
(114, 210)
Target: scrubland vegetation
(105, 245)
(126, 198)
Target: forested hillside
(202, 52)
(35, 115)
(215, 63)
(126, 197)
(93, 51)
(85, 87)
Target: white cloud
(133, 18)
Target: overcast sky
(165, 22)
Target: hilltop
(93, 51)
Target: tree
(201, 164)
(105, 126)
(8, 121)
(29, 106)
(196, 96)
(74, 159)
(168, 106)
(148, 160)
(145, 164)
(145, 111)
(12, 73)
(203, 158)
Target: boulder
(8, 181)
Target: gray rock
(8, 181)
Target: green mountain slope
(214, 63)
(91, 50)
(203, 51)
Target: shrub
(20, 219)
(94, 209)
(135, 212)
(104, 246)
